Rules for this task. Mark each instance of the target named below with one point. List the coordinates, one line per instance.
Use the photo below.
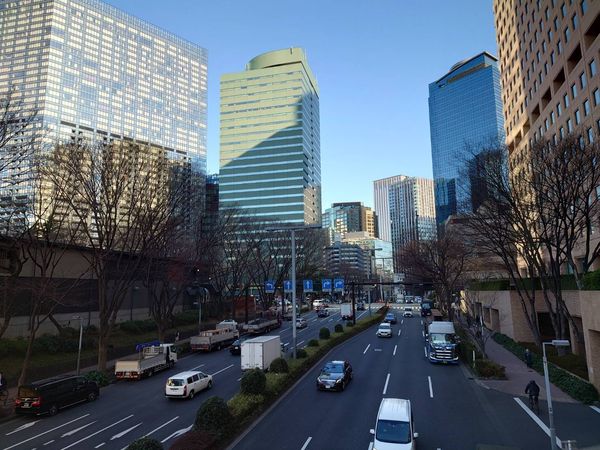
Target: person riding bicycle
(534, 391)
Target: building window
(567, 35)
(547, 13)
(586, 107)
(559, 47)
(546, 124)
(577, 117)
(563, 10)
(590, 135)
(582, 80)
(570, 125)
(584, 6)
(552, 117)
(559, 109)
(593, 68)
(556, 24)
(575, 21)
(550, 35)
(552, 58)
(566, 100)
(596, 97)
(562, 132)
(574, 91)
(554, 139)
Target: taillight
(37, 402)
(18, 402)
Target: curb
(286, 393)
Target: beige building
(549, 54)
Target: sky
(373, 60)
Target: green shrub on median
(324, 333)
(279, 365)
(214, 417)
(339, 328)
(243, 405)
(313, 343)
(145, 443)
(253, 382)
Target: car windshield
(331, 368)
(393, 431)
(441, 338)
(385, 325)
(389, 316)
(175, 382)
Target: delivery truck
(259, 352)
(151, 357)
(209, 340)
(346, 311)
(442, 343)
(262, 325)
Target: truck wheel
(53, 410)
(191, 395)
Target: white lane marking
(286, 344)
(197, 367)
(45, 432)
(537, 420)
(299, 342)
(395, 348)
(49, 442)
(177, 433)
(69, 433)
(425, 350)
(422, 333)
(595, 408)
(163, 425)
(123, 433)
(421, 322)
(377, 350)
(331, 320)
(399, 331)
(402, 321)
(23, 427)
(366, 349)
(100, 445)
(222, 370)
(430, 387)
(387, 380)
(239, 379)
(306, 443)
(97, 432)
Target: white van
(394, 428)
(187, 384)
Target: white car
(407, 312)
(384, 330)
(301, 322)
(394, 427)
(187, 384)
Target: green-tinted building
(270, 166)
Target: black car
(390, 318)
(334, 376)
(236, 347)
(322, 312)
(360, 306)
(52, 395)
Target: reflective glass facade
(465, 113)
(270, 161)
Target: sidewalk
(518, 375)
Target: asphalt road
(451, 411)
(128, 410)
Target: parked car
(394, 426)
(407, 312)
(301, 322)
(52, 395)
(236, 347)
(334, 376)
(360, 306)
(390, 318)
(384, 330)
(322, 312)
(187, 384)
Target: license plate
(26, 405)
(327, 387)
(173, 389)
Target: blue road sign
(308, 285)
(338, 284)
(287, 286)
(326, 285)
(269, 286)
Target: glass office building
(270, 161)
(88, 69)
(465, 114)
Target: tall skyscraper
(412, 212)
(349, 217)
(465, 114)
(88, 69)
(382, 207)
(270, 164)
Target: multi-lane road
(451, 411)
(128, 410)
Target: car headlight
(338, 381)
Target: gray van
(49, 396)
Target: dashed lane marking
(425, 350)
(100, 445)
(222, 370)
(98, 432)
(366, 349)
(430, 387)
(595, 408)
(395, 348)
(306, 443)
(162, 426)
(69, 433)
(45, 432)
(49, 442)
(387, 380)
(123, 433)
(399, 331)
(177, 433)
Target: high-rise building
(382, 207)
(87, 69)
(270, 162)
(412, 212)
(349, 217)
(465, 114)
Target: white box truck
(346, 311)
(259, 352)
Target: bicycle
(534, 404)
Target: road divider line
(306, 443)
(387, 380)
(222, 370)
(97, 432)
(595, 408)
(123, 433)
(366, 349)
(197, 367)
(69, 433)
(100, 445)
(49, 442)
(422, 333)
(395, 348)
(162, 426)
(425, 350)
(45, 432)
(299, 342)
(536, 419)
(430, 387)
(402, 322)
(399, 331)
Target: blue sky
(373, 60)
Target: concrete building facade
(349, 217)
(382, 208)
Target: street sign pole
(294, 292)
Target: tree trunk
(102, 351)
(27, 358)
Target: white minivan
(394, 428)
(187, 384)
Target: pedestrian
(528, 358)
(177, 337)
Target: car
(394, 426)
(236, 347)
(323, 312)
(50, 396)
(318, 303)
(301, 322)
(334, 376)
(187, 384)
(407, 312)
(390, 318)
(384, 330)
(360, 306)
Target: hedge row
(484, 368)
(576, 387)
(248, 404)
(591, 282)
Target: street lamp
(80, 340)
(293, 228)
(555, 343)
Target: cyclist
(534, 391)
